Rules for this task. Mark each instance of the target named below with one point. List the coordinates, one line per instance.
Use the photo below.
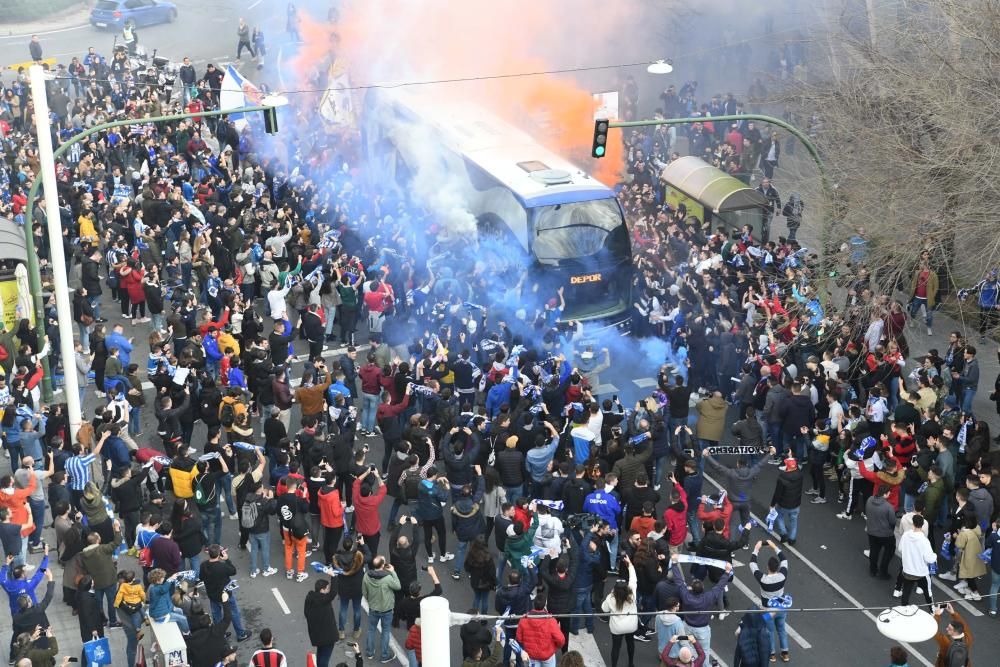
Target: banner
(237, 91)
(9, 296)
(738, 450)
(336, 106)
(701, 560)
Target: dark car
(114, 13)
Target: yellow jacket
(130, 594)
(87, 229)
(183, 480)
(227, 340)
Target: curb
(62, 22)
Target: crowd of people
(236, 269)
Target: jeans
(547, 662)
(694, 525)
(108, 593)
(369, 406)
(323, 655)
(224, 488)
(211, 523)
(84, 335)
(775, 622)
(234, 610)
(342, 621)
(481, 601)
(796, 444)
(792, 518)
(176, 616)
(677, 439)
(38, 514)
(893, 399)
(583, 606)
(260, 546)
(994, 589)
(411, 658)
(659, 466)
(909, 502)
(134, 421)
(375, 620)
(968, 394)
(514, 492)
(703, 635)
(915, 305)
(194, 562)
(95, 304)
(615, 541)
(460, 556)
(131, 623)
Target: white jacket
(628, 622)
(549, 533)
(916, 553)
(905, 525)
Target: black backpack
(410, 485)
(228, 415)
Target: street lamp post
(48, 157)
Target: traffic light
(600, 147)
(271, 120)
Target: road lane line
(585, 644)
(393, 644)
(255, 4)
(833, 584)
(281, 601)
(722, 663)
(755, 599)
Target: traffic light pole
(34, 272)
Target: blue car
(114, 13)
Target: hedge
(17, 11)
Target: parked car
(114, 13)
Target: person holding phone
(368, 492)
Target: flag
(336, 106)
(237, 91)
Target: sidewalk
(71, 18)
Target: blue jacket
(989, 290)
(604, 505)
(211, 347)
(118, 340)
(237, 378)
(588, 561)
(338, 388)
(497, 396)
(117, 452)
(160, 604)
(429, 498)
(583, 437)
(17, 587)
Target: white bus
(532, 210)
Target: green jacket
(378, 587)
(933, 495)
(42, 657)
(98, 562)
(520, 545)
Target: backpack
(410, 485)
(228, 415)
(200, 497)
(249, 513)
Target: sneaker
(656, 487)
(289, 574)
(387, 660)
(775, 462)
(649, 631)
(357, 635)
(843, 515)
(897, 592)
(447, 556)
(920, 590)
(948, 576)
(819, 501)
(723, 615)
(430, 559)
(233, 517)
(993, 613)
(867, 553)
(40, 547)
(253, 575)
(342, 635)
(784, 656)
(242, 637)
(301, 576)
(962, 587)
(639, 637)
(973, 596)
(268, 572)
(812, 492)
(349, 509)
(456, 576)
(930, 332)
(864, 516)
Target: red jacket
(539, 634)
(131, 282)
(413, 642)
(370, 375)
(676, 520)
(331, 511)
(723, 513)
(366, 519)
(386, 410)
(882, 478)
(16, 501)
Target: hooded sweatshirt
(378, 587)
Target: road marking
(281, 601)
(604, 389)
(833, 584)
(955, 594)
(645, 382)
(47, 32)
(719, 660)
(257, 2)
(754, 598)
(585, 644)
(393, 644)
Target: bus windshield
(577, 230)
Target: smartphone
(73, 658)
(682, 638)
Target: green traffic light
(599, 151)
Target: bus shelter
(712, 195)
